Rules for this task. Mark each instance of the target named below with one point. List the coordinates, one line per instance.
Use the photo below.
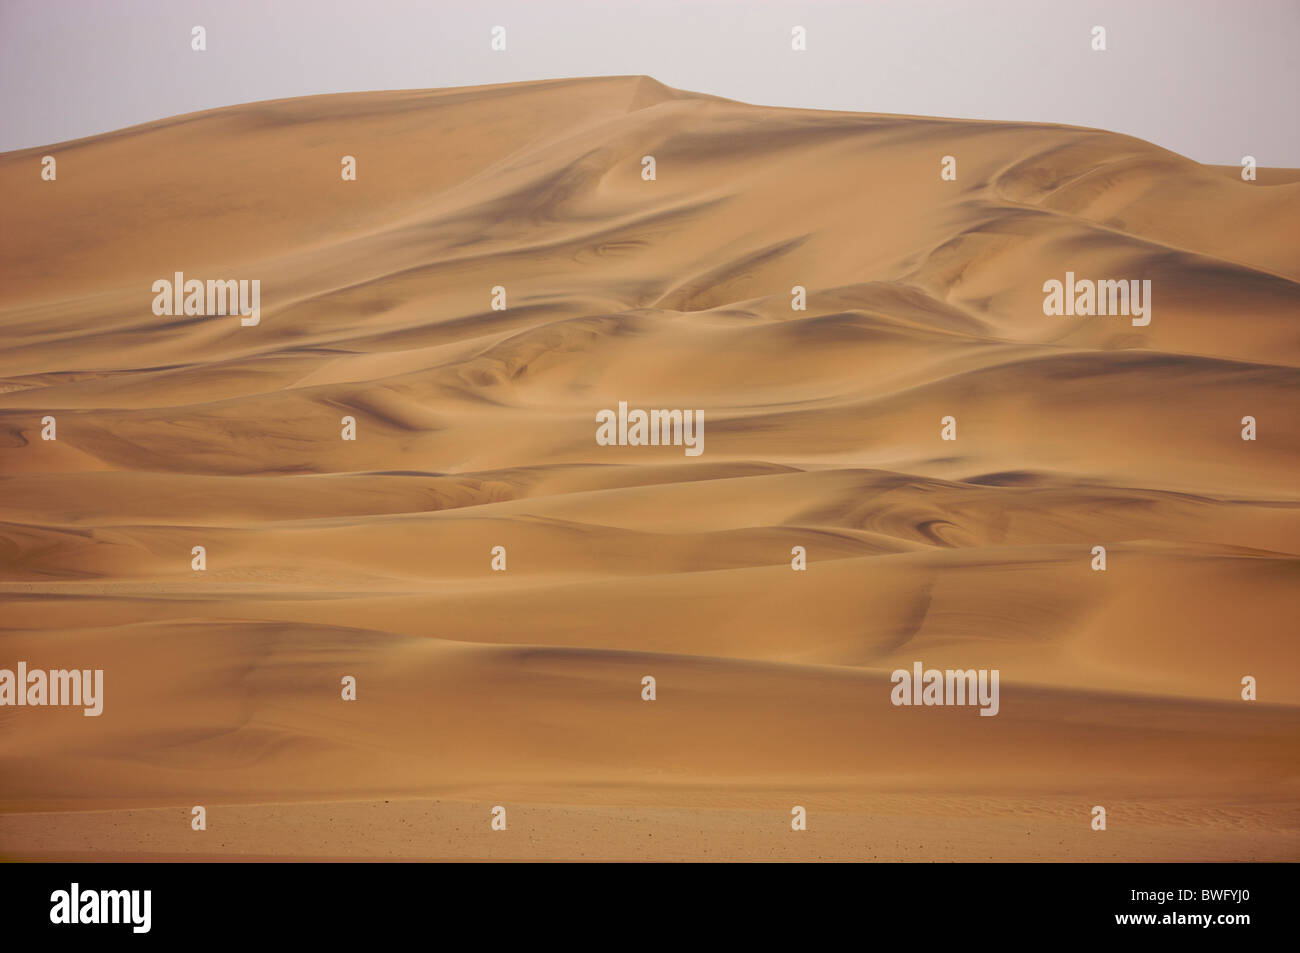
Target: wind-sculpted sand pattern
(476, 427)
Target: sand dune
(476, 428)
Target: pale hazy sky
(1212, 79)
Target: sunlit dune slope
(476, 429)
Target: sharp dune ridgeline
(476, 428)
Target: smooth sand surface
(476, 428)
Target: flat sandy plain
(476, 428)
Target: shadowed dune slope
(476, 428)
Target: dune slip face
(593, 469)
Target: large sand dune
(476, 428)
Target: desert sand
(475, 429)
